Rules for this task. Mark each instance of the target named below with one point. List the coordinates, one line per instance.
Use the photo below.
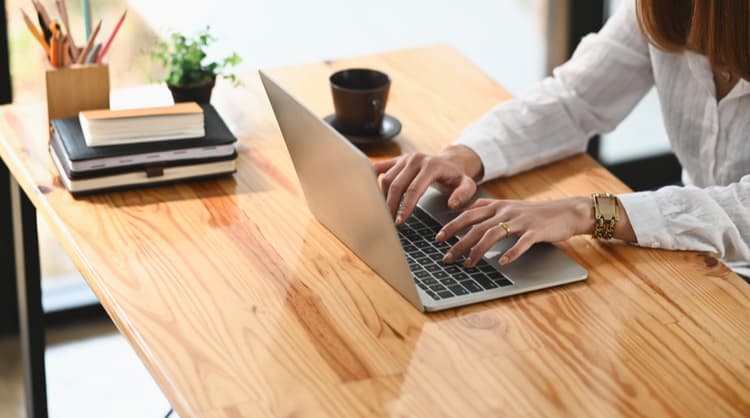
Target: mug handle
(378, 111)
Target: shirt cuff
(646, 219)
(494, 163)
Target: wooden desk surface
(241, 304)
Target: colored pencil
(62, 8)
(35, 32)
(54, 52)
(107, 44)
(89, 44)
(43, 11)
(86, 5)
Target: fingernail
(503, 260)
(454, 203)
(440, 236)
(399, 220)
(467, 264)
(448, 257)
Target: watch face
(607, 207)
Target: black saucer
(389, 129)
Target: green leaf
(182, 57)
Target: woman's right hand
(406, 178)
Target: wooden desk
(240, 304)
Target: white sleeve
(713, 219)
(591, 93)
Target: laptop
(341, 189)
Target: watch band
(605, 215)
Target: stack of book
(104, 150)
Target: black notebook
(78, 157)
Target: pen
(105, 48)
(35, 32)
(82, 57)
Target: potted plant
(189, 77)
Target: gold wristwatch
(605, 215)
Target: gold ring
(506, 228)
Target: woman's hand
(532, 222)
(406, 178)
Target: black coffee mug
(359, 97)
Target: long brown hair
(715, 28)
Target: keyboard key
(404, 241)
(448, 282)
(442, 246)
(461, 276)
(458, 290)
(445, 294)
(430, 281)
(485, 282)
(409, 249)
(424, 261)
(436, 256)
(496, 275)
(437, 288)
(430, 250)
(432, 267)
(485, 268)
(433, 295)
(471, 286)
(440, 275)
(504, 282)
(421, 243)
(422, 286)
(453, 270)
(422, 274)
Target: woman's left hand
(532, 222)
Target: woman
(697, 54)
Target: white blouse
(593, 92)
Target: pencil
(62, 8)
(42, 11)
(66, 51)
(35, 32)
(89, 44)
(105, 48)
(54, 51)
(44, 19)
(91, 58)
(86, 5)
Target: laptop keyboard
(442, 281)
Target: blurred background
(516, 42)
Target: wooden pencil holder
(76, 88)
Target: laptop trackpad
(435, 204)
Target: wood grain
(240, 304)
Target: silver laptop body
(341, 189)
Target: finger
(463, 221)
(398, 187)
(385, 165)
(413, 193)
(462, 193)
(521, 246)
(466, 242)
(491, 236)
(481, 203)
(387, 178)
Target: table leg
(8, 298)
(30, 312)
